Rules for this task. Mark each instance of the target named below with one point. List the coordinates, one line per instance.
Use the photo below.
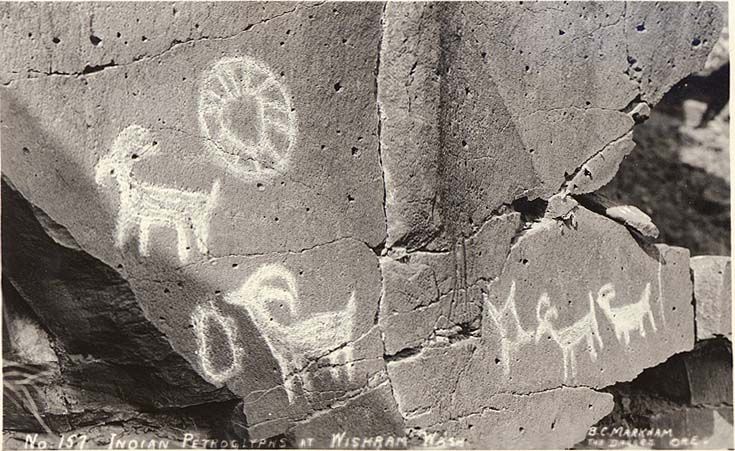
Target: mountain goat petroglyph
(245, 114)
(568, 338)
(202, 319)
(144, 206)
(295, 337)
(627, 318)
(512, 334)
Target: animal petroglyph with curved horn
(295, 337)
(145, 206)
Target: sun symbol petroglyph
(246, 117)
(294, 337)
(144, 206)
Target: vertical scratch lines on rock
(380, 120)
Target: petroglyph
(245, 114)
(627, 318)
(144, 206)
(202, 319)
(295, 337)
(661, 292)
(585, 329)
(512, 334)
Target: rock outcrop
(325, 222)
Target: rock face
(329, 221)
(713, 296)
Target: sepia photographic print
(366, 225)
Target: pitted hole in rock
(355, 152)
(55, 40)
(337, 87)
(244, 116)
(95, 40)
(641, 27)
(696, 42)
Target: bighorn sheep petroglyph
(585, 329)
(144, 206)
(512, 335)
(627, 318)
(295, 337)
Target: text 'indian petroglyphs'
(145, 206)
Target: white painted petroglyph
(661, 292)
(258, 143)
(512, 334)
(144, 206)
(294, 337)
(585, 329)
(627, 318)
(203, 318)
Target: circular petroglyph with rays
(246, 117)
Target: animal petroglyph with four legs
(294, 337)
(144, 206)
(568, 338)
(245, 114)
(627, 318)
(512, 335)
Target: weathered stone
(505, 115)
(220, 245)
(709, 376)
(429, 295)
(712, 296)
(574, 333)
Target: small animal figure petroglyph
(512, 335)
(202, 319)
(145, 206)
(627, 318)
(585, 329)
(294, 337)
(246, 116)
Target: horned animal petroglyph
(568, 338)
(512, 335)
(295, 337)
(145, 206)
(627, 318)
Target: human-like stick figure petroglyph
(585, 329)
(627, 318)
(245, 114)
(512, 335)
(203, 318)
(144, 206)
(295, 337)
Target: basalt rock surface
(309, 219)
